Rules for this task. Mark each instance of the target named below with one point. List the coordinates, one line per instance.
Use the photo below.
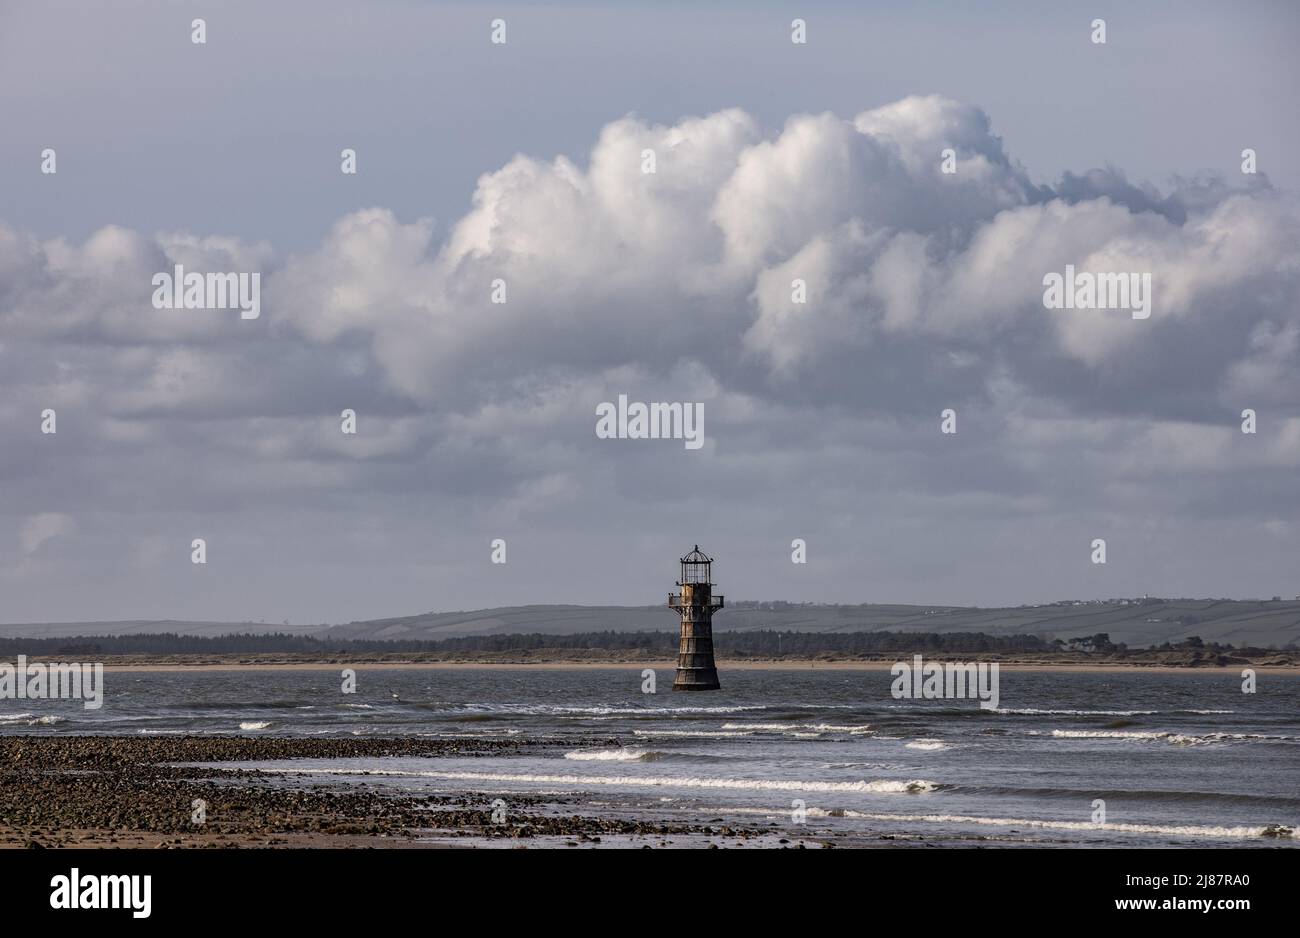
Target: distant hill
(1138, 623)
(146, 627)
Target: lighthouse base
(695, 668)
(696, 679)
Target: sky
(523, 163)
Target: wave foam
(1206, 831)
(27, 719)
(1177, 739)
(878, 786)
(689, 734)
(927, 745)
(626, 754)
(1031, 711)
(801, 729)
(603, 710)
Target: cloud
(101, 290)
(903, 263)
(924, 292)
(38, 529)
(606, 265)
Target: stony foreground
(123, 792)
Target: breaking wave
(689, 734)
(27, 719)
(1177, 739)
(927, 745)
(626, 754)
(603, 710)
(801, 728)
(1200, 831)
(877, 786)
(1032, 711)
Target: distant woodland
(756, 644)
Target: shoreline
(668, 665)
(132, 792)
(120, 792)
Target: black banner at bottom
(272, 888)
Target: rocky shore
(88, 791)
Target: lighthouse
(696, 605)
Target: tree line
(759, 643)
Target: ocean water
(1178, 758)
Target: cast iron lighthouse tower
(696, 604)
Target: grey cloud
(822, 419)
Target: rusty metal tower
(696, 605)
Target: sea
(1067, 759)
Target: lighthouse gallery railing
(675, 601)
